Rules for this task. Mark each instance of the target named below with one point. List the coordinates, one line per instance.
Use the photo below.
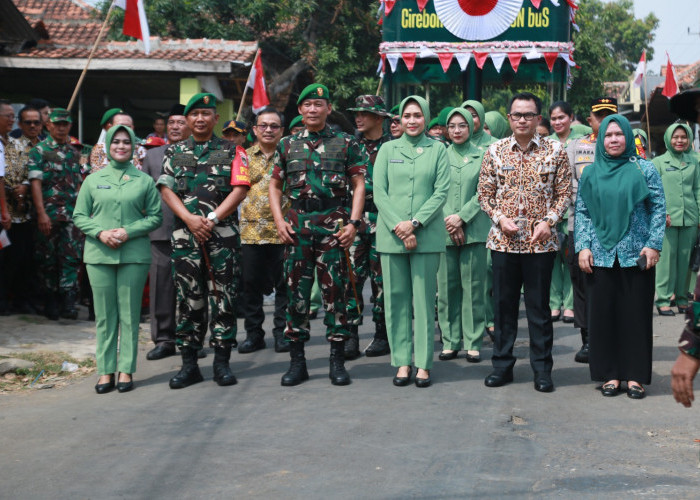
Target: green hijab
(497, 124)
(425, 108)
(675, 157)
(457, 152)
(479, 137)
(612, 185)
(108, 142)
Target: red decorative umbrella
(477, 19)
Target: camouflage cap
(109, 114)
(201, 100)
(370, 104)
(298, 121)
(60, 115)
(314, 91)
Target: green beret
(395, 110)
(296, 122)
(201, 100)
(109, 114)
(442, 116)
(314, 91)
(433, 123)
(60, 115)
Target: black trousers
(578, 283)
(620, 302)
(17, 276)
(533, 272)
(162, 294)
(263, 273)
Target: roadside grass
(46, 373)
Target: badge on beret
(205, 99)
(319, 91)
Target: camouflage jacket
(318, 165)
(199, 174)
(372, 148)
(58, 168)
(16, 173)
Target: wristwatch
(212, 217)
(549, 221)
(355, 222)
(416, 223)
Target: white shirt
(2, 159)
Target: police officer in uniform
(54, 173)
(202, 191)
(319, 167)
(370, 113)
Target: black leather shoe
(610, 390)
(252, 344)
(423, 382)
(682, 309)
(446, 356)
(667, 312)
(189, 373)
(337, 373)
(297, 372)
(473, 358)
(105, 388)
(636, 392)
(582, 354)
(351, 349)
(556, 317)
(160, 351)
(126, 386)
(567, 319)
(497, 379)
(378, 347)
(201, 354)
(403, 381)
(543, 382)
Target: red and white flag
(641, 69)
(256, 81)
(135, 22)
(670, 86)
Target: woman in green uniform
(411, 179)
(479, 138)
(561, 293)
(496, 125)
(462, 274)
(116, 209)
(680, 174)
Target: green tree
(334, 42)
(608, 47)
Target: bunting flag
(670, 85)
(497, 60)
(393, 61)
(445, 60)
(536, 3)
(550, 58)
(256, 82)
(388, 6)
(135, 22)
(480, 58)
(463, 60)
(514, 58)
(422, 4)
(382, 63)
(409, 58)
(426, 52)
(641, 69)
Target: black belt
(370, 206)
(318, 205)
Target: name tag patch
(508, 169)
(395, 161)
(103, 186)
(671, 169)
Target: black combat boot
(189, 373)
(68, 309)
(338, 374)
(280, 344)
(51, 305)
(380, 343)
(582, 354)
(297, 367)
(253, 342)
(222, 371)
(352, 344)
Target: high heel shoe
(126, 386)
(105, 388)
(403, 381)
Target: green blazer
(411, 182)
(110, 199)
(462, 198)
(681, 181)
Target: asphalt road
(456, 439)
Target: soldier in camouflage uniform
(54, 173)
(202, 191)
(319, 167)
(369, 120)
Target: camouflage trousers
(198, 298)
(316, 249)
(366, 264)
(58, 257)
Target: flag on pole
(670, 86)
(641, 69)
(135, 22)
(256, 82)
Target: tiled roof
(73, 27)
(686, 74)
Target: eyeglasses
(272, 126)
(516, 117)
(32, 122)
(460, 126)
(11, 116)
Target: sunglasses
(31, 122)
